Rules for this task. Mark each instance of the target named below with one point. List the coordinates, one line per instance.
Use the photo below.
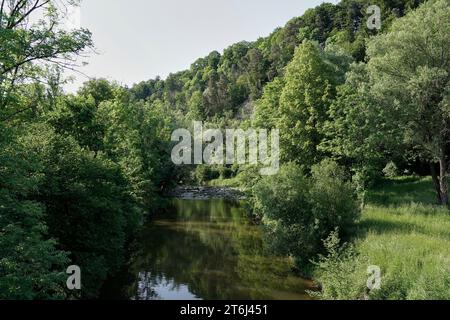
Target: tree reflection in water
(208, 249)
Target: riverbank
(407, 236)
(206, 193)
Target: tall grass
(403, 233)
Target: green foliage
(88, 204)
(204, 173)
(410, 71)
(407, 240)
(137, 138)
(247, 177)
(309, 89)
(31, 266)
(338, 272)
(267, 109)
(98, 164)
(333, 196)
(352, 131)
(195, 105)
(299, 212)
(396, 105)
(229, 81)
(134, 135)
(33, 50)
(30, 50)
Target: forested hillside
(228, 83)
(256, 83)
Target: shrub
(333, 200)
(339, 273)
(204, 173)
(248, 176)
(299, 212)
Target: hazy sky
(138, 40)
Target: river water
(206, 249)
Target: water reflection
(207, 249)
(154, 288)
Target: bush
(248, 176)
(339, 273)
(300, 212)
(204, 173)
(334, 200)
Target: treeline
(227, 84)
(76, 181)
(243, 85)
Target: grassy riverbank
(407, 236)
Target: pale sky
(137, 40)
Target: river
(206, 249)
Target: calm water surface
(208, 249)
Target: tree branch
(1, 12)
(14, 114)
(35, 7)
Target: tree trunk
(443, 180)
(436, 183)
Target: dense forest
(80, 172)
